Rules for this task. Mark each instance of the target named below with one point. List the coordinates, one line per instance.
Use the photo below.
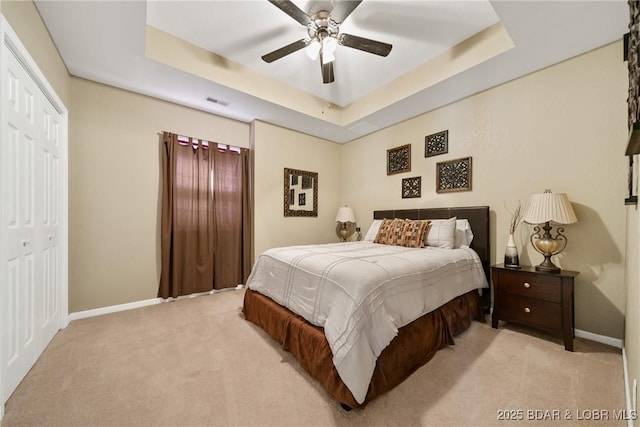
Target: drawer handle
(527, 285)
(527, 310)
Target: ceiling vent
(218, 101)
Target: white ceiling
(105, 41)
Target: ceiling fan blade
(343, 9)
(327, 71)
(367, 45)
(284, 51)
(292, 10)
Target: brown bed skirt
(415, 344)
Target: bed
(361, 341)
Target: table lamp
(549, 208)
(344, 216)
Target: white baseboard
(113, 309)
(630, 400)
(138, 304)
(614, 342)
(618, 343)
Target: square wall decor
(436, 143)
(411, 187)
(399, 159)
(453, 175)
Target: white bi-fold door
(34, 256)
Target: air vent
(218, 101)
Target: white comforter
(362, 292)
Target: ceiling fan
(323, 29)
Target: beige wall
(277, 148)
(26, 22)
(562, 128)
(114, 189)
(632, 316)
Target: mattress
(361, 293)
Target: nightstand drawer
(535, 298)
(529, 285)
(531, 311)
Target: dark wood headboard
(478, 217)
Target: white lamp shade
(329, 44)
(345, 214)
(313, 48)
(328, 57)
(552, 207)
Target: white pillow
(373, 231)
(464, 234)
(442, 233)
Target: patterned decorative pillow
(397, 230)
(390, 232)
(384, 231)
(413, 233)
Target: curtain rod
(228, 146)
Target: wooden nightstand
(535, 298)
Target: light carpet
(197, 362)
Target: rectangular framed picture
(453, 175)
(297, 185)
(411, 187)
(399, 159)
(436, 143)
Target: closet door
(31, 202)
(49, 217)
(21, 200)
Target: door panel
(50, 217)
(11, 310)
(30, 189)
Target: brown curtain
(206, 217)
(232, 255)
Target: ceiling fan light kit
(323, 30)
(327, 46)
(313, 49)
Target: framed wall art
(399, 159)
(436, 143)
(412, 187)
(453, 175)
(300, 193)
